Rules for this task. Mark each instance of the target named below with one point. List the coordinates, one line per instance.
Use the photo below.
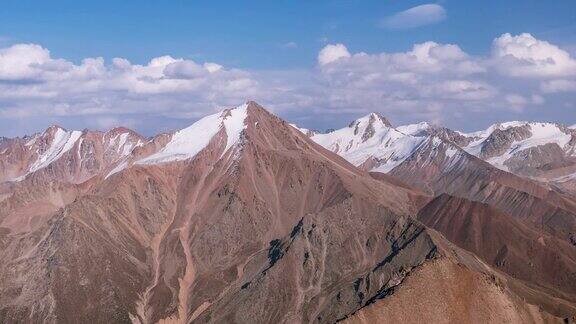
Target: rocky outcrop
(500, 140)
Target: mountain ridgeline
(244, 218)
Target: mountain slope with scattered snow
(248, 204)
(526, 148)
(370, 139)
(539, 134)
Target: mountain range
(243, 217)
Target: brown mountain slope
(427, 297)
(458, 173)
(69, 156)
(168, 240)
(505, 243)
(273, 228)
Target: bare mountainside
(521, 223)
(438, 160)
(242, 218)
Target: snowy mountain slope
(500, 144)
(526, 148)
(66, 155)
(61, 143)
(372, 140)
(186, 143)
(86, 154)
(418, 129)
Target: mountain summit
(241, 217)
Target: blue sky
(250, 34)
(278, 42)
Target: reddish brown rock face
(256, 223)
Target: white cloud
(418, 16)
(32, 83)
(331, 53)
(428, 78)
(430, 81)
(22, 61)
(436, 80)
(526, 56)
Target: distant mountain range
(242, 217)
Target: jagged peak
(369, 125)
(371, 119)
(53, 129)
(122, 130)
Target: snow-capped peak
(507, 139)
(371, 119)
(188, 142)
(369, 125)
(121, 141)
(59, 142)
(370, 138)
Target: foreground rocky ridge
(254, 223)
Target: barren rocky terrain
(244, 218)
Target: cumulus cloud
(436, 80)
(430, 81)
(22, 61)
(418, 16)
(34, 83)
(526, 56)
(331, 53)
(427, 78)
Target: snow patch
(62, 142)
(79, 149)
(31, 141)
(117, 169)
(453, 155)
(121, 144)
(234, 125)
(188, 142)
